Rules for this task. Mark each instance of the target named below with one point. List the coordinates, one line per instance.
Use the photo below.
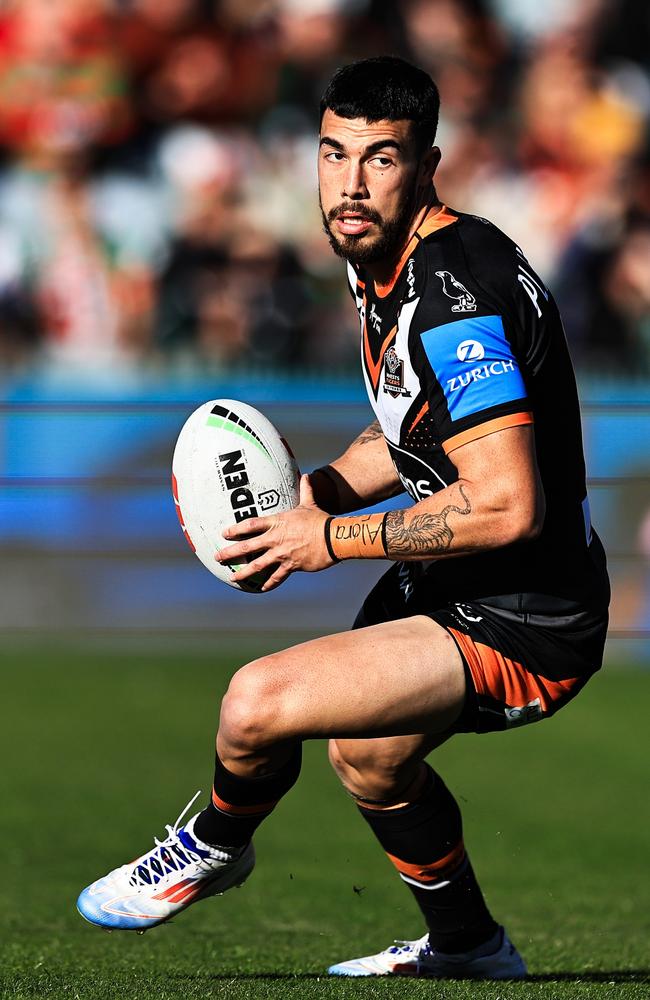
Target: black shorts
(519, 667)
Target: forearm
(459, 520)
(362, 476)
(446, 524)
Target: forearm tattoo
(424, 533)
(370, 434)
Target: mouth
(352, 224)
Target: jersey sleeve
(470, 367)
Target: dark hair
(385, 87)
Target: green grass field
(102, 749)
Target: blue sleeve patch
(474, 364)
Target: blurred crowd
(157, 170)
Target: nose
(354, 186)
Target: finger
(241, 550)
(280, 575)
(251, 526)
(306, 492)
(254, 566)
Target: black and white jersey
(464, 341)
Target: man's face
(367, 174)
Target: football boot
(178, 871)
(418, 958)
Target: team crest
(453, 289)
(394, 374)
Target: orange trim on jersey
(418, 418)
(435, 871)
(440, 219)
(227, 807)
(508, 680)
(489, 427)
(383, 290)
(361, 283)
(374, 368)
(436, 219)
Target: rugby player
(493, 614)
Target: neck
(382, 271)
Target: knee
(372, 771)
(251, 711)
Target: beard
(358, 249)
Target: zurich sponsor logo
(474, 363)
(477, 374)
(470, 350)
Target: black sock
(424, 840)
(239, 805)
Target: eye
(334, 156)
(382, 162)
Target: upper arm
(501, 469)
(367, 465)
(364, 474)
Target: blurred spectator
(462, 48)
(604, 294)
(190, 60)
(62, 87)
(230, 292)
(158, 195)
(63, 94)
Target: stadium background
(160, 244)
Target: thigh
(396, 678)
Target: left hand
(289, 541)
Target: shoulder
(474, 260)
(467, 268)
(477, 248)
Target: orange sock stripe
(228, 807)
(434, 871)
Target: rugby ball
(230, 464)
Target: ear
(428, 166)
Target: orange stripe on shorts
(508, 680)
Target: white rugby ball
(230, 464)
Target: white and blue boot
(417, 958)
(177, 872)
